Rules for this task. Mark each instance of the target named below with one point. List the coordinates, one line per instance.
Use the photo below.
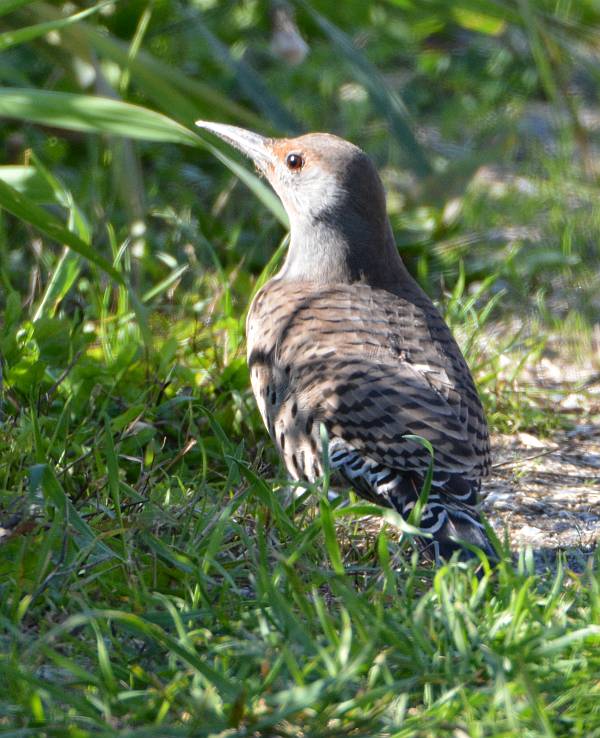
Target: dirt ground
(545, 492)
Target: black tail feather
(458, 527)
(449, 514)
(453, 521)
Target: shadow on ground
(546, 493)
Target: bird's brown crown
(323, 150)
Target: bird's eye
(294, 162)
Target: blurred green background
(135, 475)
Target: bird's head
(334, 199)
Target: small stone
(573, 401)
(531, 533)
(531, 441)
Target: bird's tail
(449, 514)
(451, 529)
(454, 526)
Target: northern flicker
(343, 336)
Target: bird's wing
(373, 407)
(375, 368)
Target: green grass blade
(25, 209)
(112, 473)
(331, 542)
(7, 6)
(387, 102)
(164, 284)
(29, 33)
(415, 516)
(135, 46)
(42, 476)
(591, 632)
(251, 84)
(271, 267)
(390, 516)
(62, 279)
(92, 114)
(68, 267)
(28, 181)
(104, 659)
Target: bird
(343, 338)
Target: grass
(192, 603)
(156, 576)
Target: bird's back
(373, 366)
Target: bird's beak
(255, 147)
